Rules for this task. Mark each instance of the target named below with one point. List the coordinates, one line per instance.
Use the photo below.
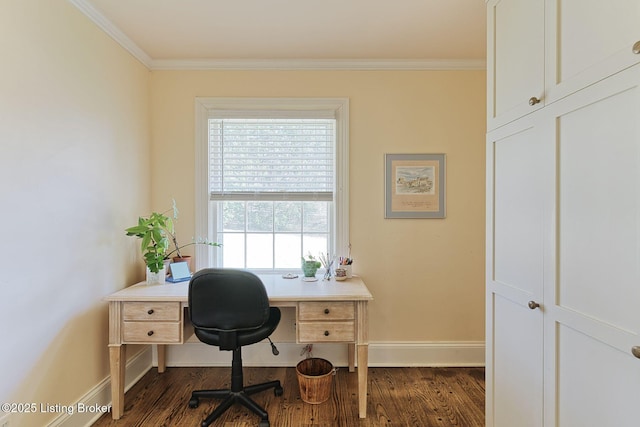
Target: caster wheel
(278, 391)
(264, 423)
(194, 402)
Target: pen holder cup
(347, 269)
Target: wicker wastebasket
(315, 378)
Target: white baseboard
(389, 354)
(440, 353)
(97, 401)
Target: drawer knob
(636, 47)
(533, 101)
(636, 351)
(150, 333)
(150, 311)
(533, 305)
(326, 311)
(326, 333)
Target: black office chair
(230, 309)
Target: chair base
(231, 397)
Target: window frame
(214, 107)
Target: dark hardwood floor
(421, 397)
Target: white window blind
(271, 159)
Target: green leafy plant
(174, 239)
(158, 233)
(153, 230)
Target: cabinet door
(588, 40)
(516, 182)
(515, 59)
(593, 289)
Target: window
(272, 180)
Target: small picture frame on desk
(179, 272)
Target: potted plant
(176, 246)
(310, 266)
(186, 258)
(158, 233)
(152, 231)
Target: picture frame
(415, 185)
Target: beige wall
(426, 275)
(74, 167)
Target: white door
(592, 285)
(514, 253)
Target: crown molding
(270, 64)
(318, 64)
(114, 32)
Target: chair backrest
(227, 300)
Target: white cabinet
(539, 51)
(587, 41)
(515, 59)
(563, 226)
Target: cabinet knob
(636, 351)
(636, 47)
(533, 101)
(533, 305)
(150, 311)
(326, 311)
(326, 333)
(150, 333)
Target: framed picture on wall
(415, 185)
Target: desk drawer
(317, 332)
(326, 310)
(151, 311)
(152, 332)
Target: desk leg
(351, 355)
(162, 361)
(363, 363)
(117, 362)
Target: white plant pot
(157, 278)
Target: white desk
(326, 311)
